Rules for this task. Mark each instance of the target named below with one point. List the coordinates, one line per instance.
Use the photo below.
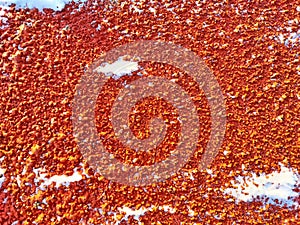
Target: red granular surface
(43, 56)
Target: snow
(40, 4)
(59, 180)
(62, 179)
(2, 177)
(131, 212)
(167, 208)
(191, 212)
(141, 211)
(287, 36)
(2, 173)
(277, 185)
(118, 68)
(292, 38)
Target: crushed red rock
(43, 56)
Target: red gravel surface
(43, 56)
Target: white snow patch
(2, 177)
(40, 4)
(167, 208)
(135, 213)
(290, 38)
(277, 185)
(152, 10)
(2, 172)
(191, 212)
(136, 9)
(209, 171)
(62, 179)
(58, 179)
(118, 68)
